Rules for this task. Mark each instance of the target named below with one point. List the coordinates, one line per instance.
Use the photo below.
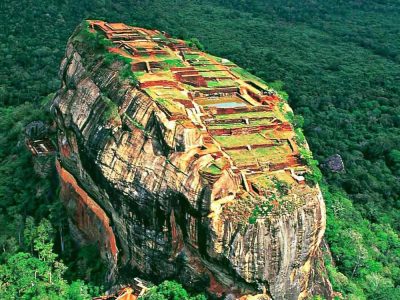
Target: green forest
(339, 62)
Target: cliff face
(133, 180)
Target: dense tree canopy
(169, 290)
(38, 275)
(338, 60)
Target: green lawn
(138, 74)
(170, 63)
(206, 68)
(214, 74)
(191, 56)
(274, 154)
(212, 169)
(221, 83)
(240, 140)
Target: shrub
(314, 175)
(111, 111)
(169, 290)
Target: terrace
(241, 123)
(260, 156)
(118, 27)
(255, 114)
(236, 112)
(229, 101)
(220, 74)
(40, 147)
(246, 141)
(116, 31)
(220, 83)
(143, 48)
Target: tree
(394, 161)
(169, 290)
(27, 276)
(43, 243)
(30, 232)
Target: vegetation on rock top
(339, 71)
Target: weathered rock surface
(139, 195)
(334, 163)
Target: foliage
(86, 266)
(111, 110)
(195, 43)
(110, 57)
(340, 72)
(213, 169)
(21, 192)
(262, 210)
(367, 255)
(26, 198)
(38, 275)
(126, 73)
(299, 137)
(169, 290)
(278, 86)
(169, 63)
(314, 175)
(281, 186)
(97, 41)
(296, 120)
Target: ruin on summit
(241, 120)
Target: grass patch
(206, 68)
(216, 58)
(240, 140)
(139, 74)
(214, 74)
(221, 83)
(274, 154)
(191, 56)
(170, 63)
(111, 57)
(111, 111)
(170, 93)
(168, 104)
(162, 55)
(263, 181)
(212, 169)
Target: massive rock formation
(144, 179)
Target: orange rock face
(89, 216)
